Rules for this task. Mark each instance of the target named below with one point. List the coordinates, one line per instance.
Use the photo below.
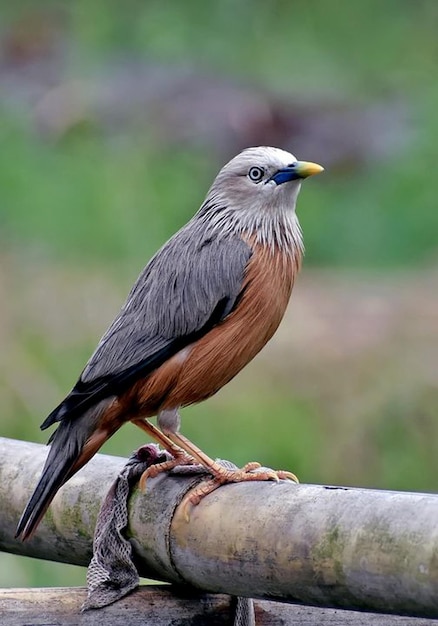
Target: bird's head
(257, 191)
(262, 178)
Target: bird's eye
(256, 174)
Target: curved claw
(250, 472)
(153, 470)
(194, 497)
(284, 475)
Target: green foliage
(118, 199)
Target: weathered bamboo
(163, 605)
(324, 546)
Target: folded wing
(188, 287)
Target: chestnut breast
(201, 369)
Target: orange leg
(159, 436)
(180, 457)
(221, 474)
(185, 452)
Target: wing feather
(188, 287)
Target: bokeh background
(114, 118)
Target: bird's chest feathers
(226, 349)
(268, 283)
(266, 290)
(202, 368)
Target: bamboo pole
(160, 605)
(323, 546)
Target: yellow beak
(307, 168)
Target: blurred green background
(114, 118)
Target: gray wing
(188, 287)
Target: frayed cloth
(112, 574)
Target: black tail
(73, 443)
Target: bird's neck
(276, 229)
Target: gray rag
(112, 574)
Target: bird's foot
(252, 471)
(152, 471)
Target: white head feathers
(255, 194)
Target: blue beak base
(295, 171)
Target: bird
(202, 308)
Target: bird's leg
(180, 456)
(223, 475)
(185, 452)
(169, 421)
(159, 436)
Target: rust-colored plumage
(200, 311)
(201, 369)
